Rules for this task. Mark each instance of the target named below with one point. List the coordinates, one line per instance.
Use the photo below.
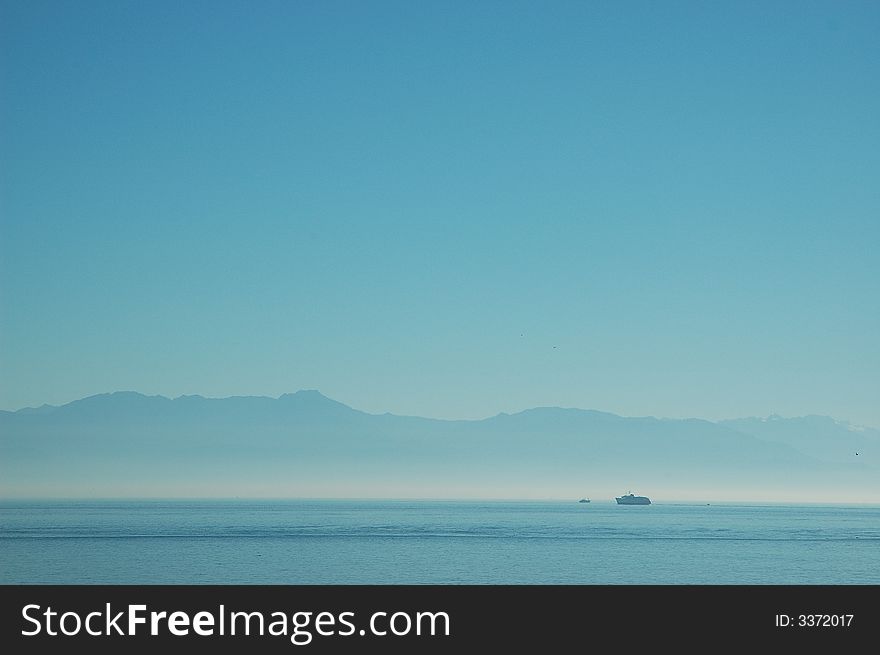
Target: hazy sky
(448, 209)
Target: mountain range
(127, 444)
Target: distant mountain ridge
(821, 437)
(305, 444)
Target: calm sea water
(399, 542)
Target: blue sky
(447, 209)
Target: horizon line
(697, 502)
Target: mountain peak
(116, 397)
(308, 396)
(311, 398)
(305, 393)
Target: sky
(444, 209)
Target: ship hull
(633, 500)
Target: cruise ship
(630, 499)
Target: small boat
(584, 500)
(630, 499)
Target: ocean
(435, 542)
